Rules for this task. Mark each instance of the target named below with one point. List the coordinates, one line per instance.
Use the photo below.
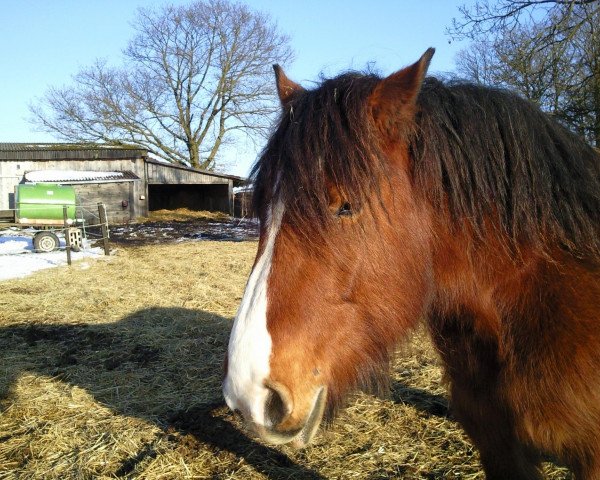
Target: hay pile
(112, 369)
(182, 215)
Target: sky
(43, 43)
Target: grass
(112, 369)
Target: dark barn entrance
(213, 197)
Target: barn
(125, 178)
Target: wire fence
(95, 230)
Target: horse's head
(343, 268)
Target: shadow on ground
(163, 347)
(147, 346)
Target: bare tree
(478, 63)
(487, 17)
(547, 49)
(192, 75)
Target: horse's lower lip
(314, 420)
(301, 437)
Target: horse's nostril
(279, 403)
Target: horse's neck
(482, 277)
(490, 285)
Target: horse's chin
(302, 436)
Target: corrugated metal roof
(72, 177)
(27, 146)
(64, 151)
(236, 179)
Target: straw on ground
(114, 371)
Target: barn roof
(237, 181)
(93, 151)
(70, 151)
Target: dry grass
(112, 369)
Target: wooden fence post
(104, 227)
(67, 237)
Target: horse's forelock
(323, 140)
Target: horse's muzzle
(282, 424)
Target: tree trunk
(194, 150)
(213, 153)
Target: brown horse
(384, 202)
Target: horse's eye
(345, 210)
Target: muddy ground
(174, 231)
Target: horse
(386, 202)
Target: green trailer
(41, 206)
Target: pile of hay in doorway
(183, 215)
(112, 369)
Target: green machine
(42, 203)
(41, 206)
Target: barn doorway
(211, 197)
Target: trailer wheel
(45, 242)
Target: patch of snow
(68, 175)
(18, 259)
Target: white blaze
(250, 343)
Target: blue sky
(44, 42)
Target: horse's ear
(285, 87)
(393, 100)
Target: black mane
(476, 151)
(488, 150)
